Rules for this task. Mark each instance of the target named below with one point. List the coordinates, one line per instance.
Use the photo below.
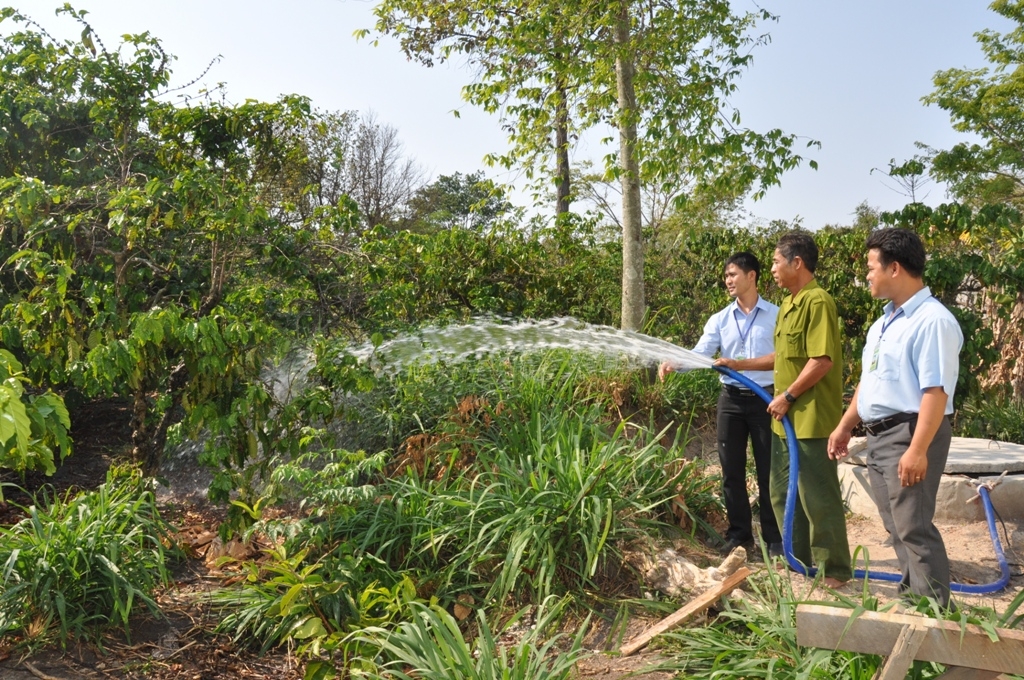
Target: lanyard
(878, 345)
(745, 331)
(885, 324)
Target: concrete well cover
(967, 456)
(982, 458)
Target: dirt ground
(182, 647)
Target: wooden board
(694, 606)
(876, 633)
(903, 654)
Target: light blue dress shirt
(735, 335)
(907, 351)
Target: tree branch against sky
(986, 103)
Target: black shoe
(776, 550)
(732, 543)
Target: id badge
(740, 357)
(874, 359)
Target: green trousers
(819, 521)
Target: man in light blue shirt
(909, 370)
(744, 329)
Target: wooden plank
(903, 654)
(694, 606)
(876, 633)
(961, 673)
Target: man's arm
(914, 463)
(839, 440)
(710, 342)
(814, 370)
(761, 363)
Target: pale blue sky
(849, 74)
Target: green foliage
(557, 62)
(309, 604)
(525, 489)
(431, 645)
(455, 274)
(756, 637)
(988, 416)
(81, 563)
(536, 521)
(457, 202)
(147, 248)
(985, 103)
(32, 426)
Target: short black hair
(799, 244)
(899, 245)
(748, 262)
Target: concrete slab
(982, 459)
(967, 456)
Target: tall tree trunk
(562, 147)
(633, 304)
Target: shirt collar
(911, 305)
(761, 303)
(813, 283)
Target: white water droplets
(474, 340)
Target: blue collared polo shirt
(735, 335)
(907, 351)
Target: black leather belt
(877, 427)
(737, 391)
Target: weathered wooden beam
(694, 606)
(903, 653)
(961, 673)
(877, 632)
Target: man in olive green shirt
(808, 366)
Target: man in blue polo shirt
(743, 329)
(908, 373)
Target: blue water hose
(791, 494)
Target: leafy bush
(542, 509)
(78, 564)
(32, 426)
(310, 604)
(992, 417)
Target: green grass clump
(430, 645)
(80, 563)
(544, 507)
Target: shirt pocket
(760, 342)
(888, 367)
(794, 344)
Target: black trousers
(742, 418)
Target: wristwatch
(789, 397)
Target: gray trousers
(907, 512)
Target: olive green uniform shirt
(808, 326)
